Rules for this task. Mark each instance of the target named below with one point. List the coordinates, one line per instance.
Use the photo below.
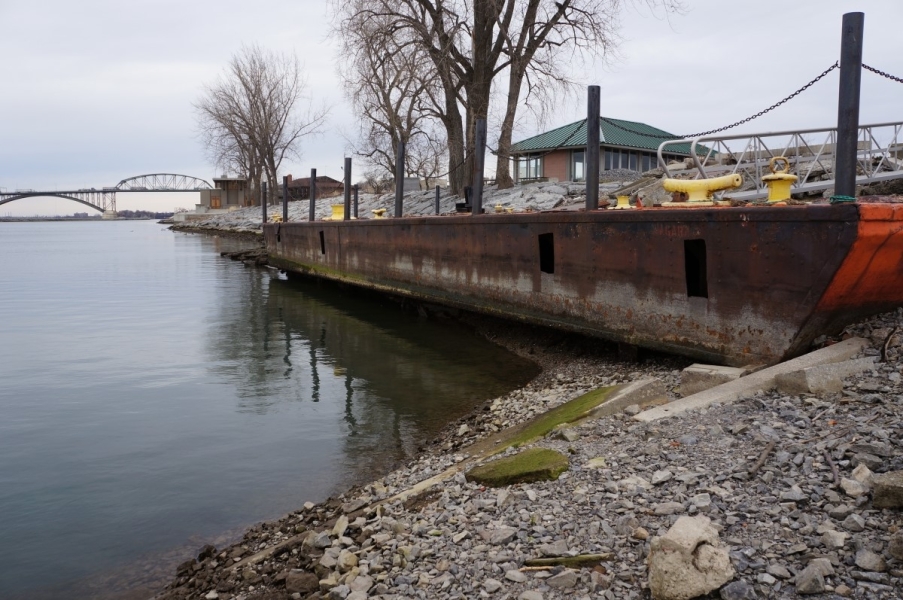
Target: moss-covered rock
(534, 464)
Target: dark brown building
(327, 187)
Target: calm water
(155, 396)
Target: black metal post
(263, 199)
(285, 199)
(347, 186)
(399, 180)
(846, 153)
(355, 200)
(437, 199)
(312, 211)
(479, 158)
(592, 148)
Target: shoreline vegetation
(588, 533)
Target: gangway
(810, 153)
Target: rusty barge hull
(736, 286)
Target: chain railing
(882, 73)
(732, 125)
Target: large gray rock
(887, 490)
(810, 580)
(870, 561)
(738, 590)
(564, 580)
(688, 561)
(302, 582)
(895, 547)
(822, 379)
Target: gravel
(793, 527)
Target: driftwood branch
(755, 468)
(886, 344)
(833, 466)
(581, 560)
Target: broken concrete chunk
(822, 379)
(688, 561)
(699, 377)
(887, 490)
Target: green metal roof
(612, 132)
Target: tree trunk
(503, 163)
(480, 85)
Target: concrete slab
(698, 377)
(643, 392)
(750, 384)
(822, 379)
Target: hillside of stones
(520, 198)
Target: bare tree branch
(256, 115)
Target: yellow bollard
(338, 213)
(623, 203)
(379, 213)
(700, 190)
(780, 181)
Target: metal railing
(810, 153)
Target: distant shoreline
(97, 219)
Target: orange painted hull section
(872, 273)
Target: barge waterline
(740, 286)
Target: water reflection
(394, 379)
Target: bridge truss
(104, 199)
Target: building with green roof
(561, 153)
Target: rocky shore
(532, 197)
(785, 480)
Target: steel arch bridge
(104, 199)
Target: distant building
(299, 189)
(228, 193)
(561, 153)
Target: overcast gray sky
(95, 91)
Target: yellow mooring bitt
(780, 180)
(338, 213)
(623, 203)
(700, 190)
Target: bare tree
(394, 93)
(256, 114)
(470, 43)
(376, 181)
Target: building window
(529, 167)
(578, 165)
(606, 165)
